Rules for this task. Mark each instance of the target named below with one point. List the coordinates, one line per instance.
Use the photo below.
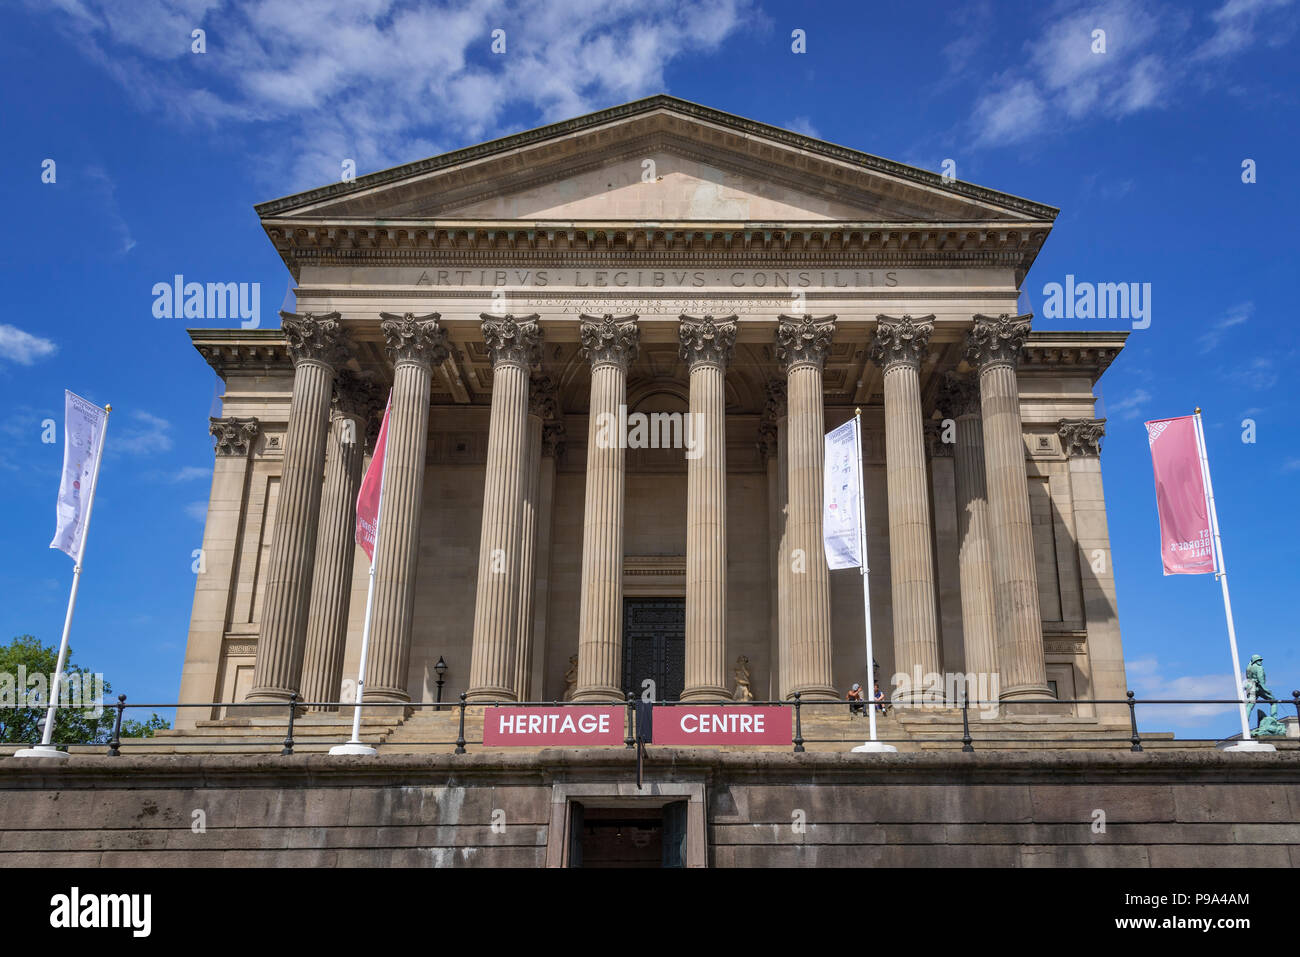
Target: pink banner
(707, 724)
(371, 485)
(1185, 545)
(577, 726)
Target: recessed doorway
(654, 646)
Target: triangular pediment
(660, 160)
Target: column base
(605, 695)
(490, 694)
(384, 696)
(816, 693)
(1030, 700)
(703, 694)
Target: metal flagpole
(355, 746)
(872, 744)
(1221, 573)
(46, 748)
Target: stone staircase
(312, 733)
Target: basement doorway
(627, 837)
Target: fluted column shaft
(707, 345)
(513, 345)
(331, 591)
(783, 561)
(974, 563)
(994, 347)
(898, 348)
(532, 467)
(415, 345)
(552, 446)
(802, 344)
(313, 343)
(610, 345)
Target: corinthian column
(898, 348)
(515, 346)
(314, 344)
(415, 344)
(355, 402)
(610, 345)
(960, 401)
(541, 409)
(994, 348)
(552, 449)
(801, 346)
(707, 346)
(771, 446)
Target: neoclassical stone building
(552, 309)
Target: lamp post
(441, 669)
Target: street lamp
(441, 669)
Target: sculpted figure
(571, 678)
(743, 690)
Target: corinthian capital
(803, 340)
(313, 338)
(607, 340)
(1081, 436)
(355, 397)
(412, 338)
(234, 435)
(543, 400)
(997, 339)
(707, 340)
(901, 340)
(514, 340)
(959, 396)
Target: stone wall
(1169, 808)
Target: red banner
(709, 724)
(579, 726)
(372, 489)
(1185, 545)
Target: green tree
(25, 657)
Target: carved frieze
(707, 340)
(412, 338)
(803, 340)
(901, 340)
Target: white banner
(840, 498)
(83, 430)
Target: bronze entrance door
(654, 646)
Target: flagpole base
(875, 747)
(353, 747)
(1246, 746)
(41, 751)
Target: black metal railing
(294, 708)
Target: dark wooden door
(654, 646)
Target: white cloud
(1148, 680)
(382, 82)
(23, 347)
(143, 434)
(802, 124)
(1149, 56)
(1130, 407)
(197, 511)
(1235, 316)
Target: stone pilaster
(898, 348)
(541, 408)
(315, 345)
(415, 344)
(552, 449)
(994, 348)
(801, 346)
(356, 402)
(707, 345)
(610, 344)
(1105, 678)
(515, 347)
(214, 581)
(961, 402)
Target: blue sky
(161, 152)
